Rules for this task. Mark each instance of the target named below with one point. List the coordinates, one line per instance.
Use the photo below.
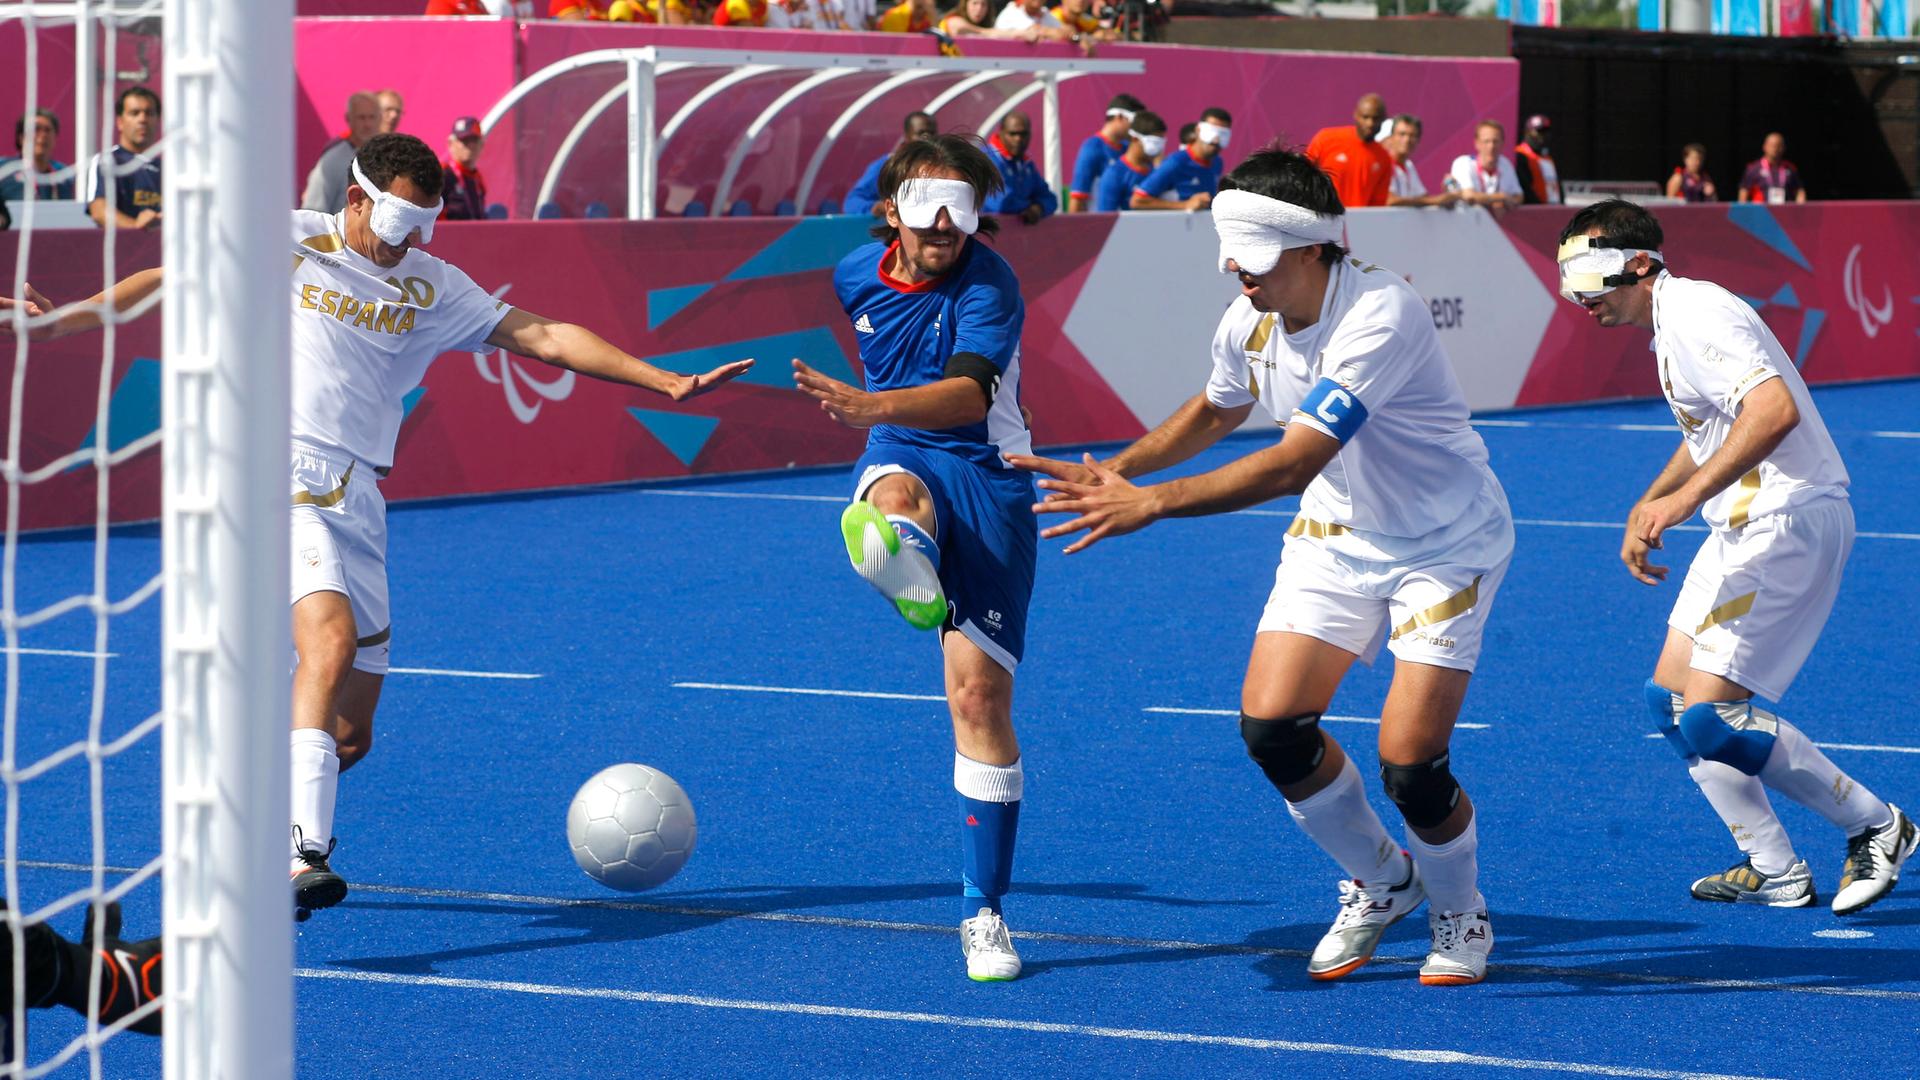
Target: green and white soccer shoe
(896, 566)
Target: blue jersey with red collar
(1184, 175)
(907, 333)
(1095, 155)
(1115, 189)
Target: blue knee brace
(1736, 733)
(1661, 706)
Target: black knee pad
(1287, 749)
(1425, 793)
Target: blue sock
(986, 845)
(911, 532)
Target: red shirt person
(463, 191)
(1360, 168)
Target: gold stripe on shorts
(308, 498)
(1726, 612)
(1457, 604)
(1318, 530)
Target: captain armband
(1334, 407)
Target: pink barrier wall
(1833, 280)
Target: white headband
(1128, 113)
(1254, 229)
(919, 200)
(394, 218)
(1209, 132)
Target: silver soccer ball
(631, 827)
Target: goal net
(144, 749)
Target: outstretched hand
(36, 305)
(847, 404)
(695, 385)
(1107, 504)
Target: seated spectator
(1360, 168)
(135, 183)
(1079, 16)
(392, 108)
(974, 18)
(1690, 181)
(1024, 193)
(1533, 163)
(846, 14)
(795, 15)
(578, 10)
(1190, 174)
(457, 7)
(906, 17)
(1146, 140)
(1772, 179)
(326, 189)
(866, 190)
(740, 13)
(1033, 15)
(463, 191)
(38, 161)
(1102, 149)
(1484, 177)
(1407, 188)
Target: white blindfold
(394, 218)
(1208, 132)
(919, 200)
(1151, 145)
(1591, 267)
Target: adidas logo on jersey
(862, 325)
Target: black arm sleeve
(973, 366)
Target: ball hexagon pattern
(631, 827)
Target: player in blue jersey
(1191, 174)
(940, 523)
(1147, 138)
(1102, 149)
(866, 190)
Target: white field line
(1374, 720)
(807, 691)
(1137, 944)
(1419, 1057)
(83, 654)
(1869, 748)
(1566, 425)
(702, 493)
(457, 674)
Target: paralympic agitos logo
(1872, 316)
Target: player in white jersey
(1756, 461)
(370, 312)
(1403, 538)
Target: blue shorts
(987, 534)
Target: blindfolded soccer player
(1756, 461)
(371, 311)
(940, 522)
(1403, 538)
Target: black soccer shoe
(315, 885)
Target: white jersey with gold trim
(1713, 349)
(1415, 472)
(356, 355)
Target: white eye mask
(1209, 132)
(394, 218)
(1125, 114)
(1151, 145)
(919, 200)
(1254, 229)
(1589, 268)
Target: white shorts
(340, 545)
(1433, 611)
(1756, 598)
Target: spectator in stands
(744, 13)
(974, 18)
(795, 15)
(1485, 177)
(1690, 182)
(39, 160)
(1022, 15)
(1024, 193)
(578, 10)
(1772, 179)
(1192, 173)
(1351, 156)
(392, 108)
(463, 191)
(847, 14)
(1533, 163)
(907, 17)
(326, 189)
(457, 7)
(1407, 188)
(1146, 141)
(1082, 18)
(135, 183)
(866, 190)
(1103, 148)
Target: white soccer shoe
(1742, 884)
(1873, 863)
(1365, 913)
(896, 567)
(1461, 944)
(988, 947)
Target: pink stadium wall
(1120, 311)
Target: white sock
(1797, 769)
(316, 782)
(1741, 802)
(1451, 871)
(1339, 819)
